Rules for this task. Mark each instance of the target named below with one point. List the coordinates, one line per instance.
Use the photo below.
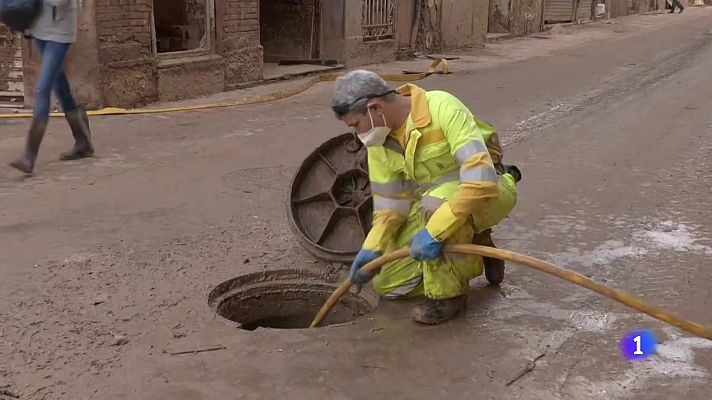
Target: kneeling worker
(436, 178)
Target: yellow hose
(531, 262)
(263, 98)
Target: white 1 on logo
(637, 351)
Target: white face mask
(377, 135)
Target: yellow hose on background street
(406, 76)
(531, 262)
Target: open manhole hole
(285, 299)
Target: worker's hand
(358, 277)
(424, 247)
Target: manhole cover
(330, 206)
(284, 299)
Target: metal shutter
(584, 11)
(558, 11)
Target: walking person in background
(54, 31)
(676, 4)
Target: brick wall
(238, 35)
(123, 29)
(10, 65)
(241, 22)
(128, 68)
(124, 41)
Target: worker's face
(361, 123)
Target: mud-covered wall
(404, 22)
(480, 19)
(526, 16)
(331, 30)
(621, 8)
(644, 6)
(430, 27)
(462, 23)
(83, 66)
(356, 50)
(450, 24)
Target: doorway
(289, 34)
(500, 16)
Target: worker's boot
(433, 312)
(78, 121)
(494, 267)
(26, 162)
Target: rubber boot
(78, 121)
(434, 312)
(494, 267)
(514, 171)
(26, 162)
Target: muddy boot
(26, 162)
(494, 267)
(433, 312)
(79, 123)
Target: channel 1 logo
(638, 345)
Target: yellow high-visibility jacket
(446, 166)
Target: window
(181, 25)
(378, 21)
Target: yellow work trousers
(450, 275)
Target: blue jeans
(52, 76)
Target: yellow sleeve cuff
(444, 223)
(377, 238)
(384, 229)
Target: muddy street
(109, 266)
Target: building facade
(135, 52)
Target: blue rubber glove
(424, 247)
(363, 257)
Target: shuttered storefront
(584, 11)
(558, 11)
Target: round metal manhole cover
(330, 206)
(284, 299)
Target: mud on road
(108, 264)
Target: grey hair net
(353, 90)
